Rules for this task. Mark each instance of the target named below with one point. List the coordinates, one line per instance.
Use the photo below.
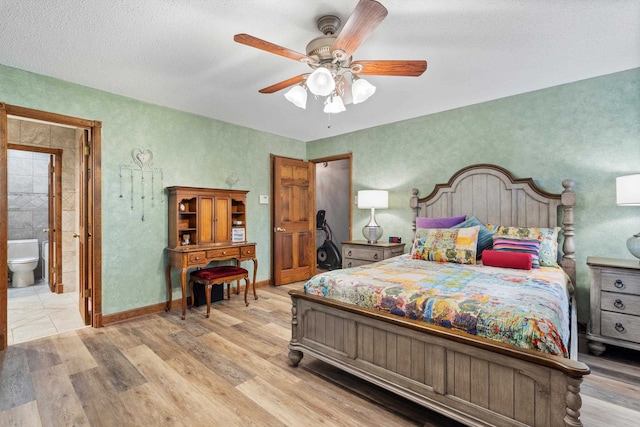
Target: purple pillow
(424, 222)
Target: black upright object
(329, 257)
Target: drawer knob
(618, 284)
(349, 264)
(349, 253)
(197, 258)
(619, 327)
(618, 304)
(375, 256)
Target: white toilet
(22, 259)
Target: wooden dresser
(359, 252)
(205, 225)
(615, 304)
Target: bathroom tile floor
(35, 312)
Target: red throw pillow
(518, 260)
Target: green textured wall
(588, 131)
(191, 150)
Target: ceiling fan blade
(389, 68)
(248, 40)
(285, 84)
(361, 23)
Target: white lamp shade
(298, 96)
(628, 190)
(334, 104)
(362, 90)
(321, 82)
(378, 199)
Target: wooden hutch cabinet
(206, 225)
(201, 216)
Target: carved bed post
(568, 199)
(413, 203)
(573, 402)
(295, 356)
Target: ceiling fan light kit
(297, 95)
(321, 82)
(361, 90)
(334, 104)
(330, 57)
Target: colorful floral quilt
(526, 308)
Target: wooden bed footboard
(469, 379)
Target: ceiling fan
(330, 57)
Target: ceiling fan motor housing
(320, 47)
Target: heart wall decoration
(141, 165)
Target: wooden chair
(219, 275)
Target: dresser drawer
(248, 252)
(365, 254)
(620, 326)
(196, 257)
(224, 252)
(620, 281)
(620, 303)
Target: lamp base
(633, 244)
(372, 233)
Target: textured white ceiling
(181, 53)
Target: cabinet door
(206, 219)
(222, 230)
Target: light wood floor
(231, 369)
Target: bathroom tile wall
(28, 189)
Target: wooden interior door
(85, 248)
(293, 217)
(55, 223)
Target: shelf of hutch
(202, 216)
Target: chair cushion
(221, 272)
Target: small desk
(186, 257)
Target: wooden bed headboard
(494, 196)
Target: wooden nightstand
(359, 252)
(615, 304)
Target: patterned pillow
(516, 244)
(446, 244)
(548, 238)
(485, 237)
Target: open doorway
(41, 132)
(38, 303)
(333, 196)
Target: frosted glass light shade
(368, 199)
(321, 82)
(334, 104)
(297, 95)
(361, 90)
(628, 190)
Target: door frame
(92, 256)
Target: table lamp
(373, 199)
(628, 194)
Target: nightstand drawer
(620, 303)
(618, 281)
(620, 326)
(365, 254)
(348, 263)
